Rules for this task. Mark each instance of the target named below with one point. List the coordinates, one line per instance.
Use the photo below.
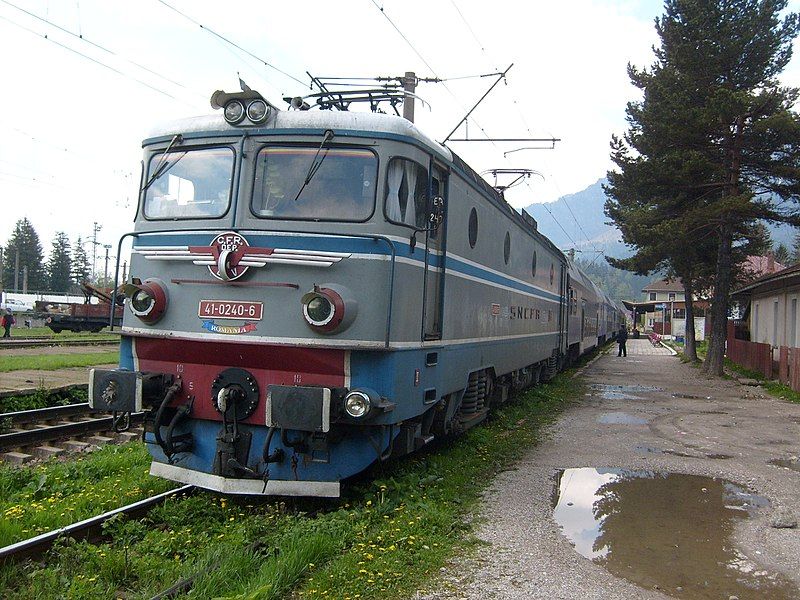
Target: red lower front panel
(198, 363)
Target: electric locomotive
(315, 291)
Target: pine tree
(24, 243)
(59, 264)
(781, 253)
(715, 138)
(80, 263)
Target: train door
(434, 256)
(583, 319)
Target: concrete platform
(29, 381)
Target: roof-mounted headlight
(234, 112)
(238, 105)
(257, 111)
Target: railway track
(40, 342)
(41, 427)
(86, 529)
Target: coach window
(507, 247)
(533, 265)
(406, 192)
(473, 227)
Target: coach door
(434, 256)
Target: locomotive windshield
(341, 189)
(189, 184)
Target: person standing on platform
(622, 338)
(8, 321)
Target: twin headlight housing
(257, 111)
(240, 105)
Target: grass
(41, 498)
(42, 398)
(52, 362)
(773, 388)
(701, 348)
(387, 537)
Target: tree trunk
(690, 344)
(719, 307)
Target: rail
(37, 342)
(38, 545)
(48, 433)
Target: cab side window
(406, 192)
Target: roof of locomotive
(303, 120)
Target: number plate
(230, 309)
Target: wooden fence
(751, 355)
(758, 357)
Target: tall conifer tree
(59, 265)
(715, 138)
(80, 263)
(24, 245)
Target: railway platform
(29, 380)
(651, 460)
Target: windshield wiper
(315, 165)
(163, 164)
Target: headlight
(234, 112)
(142, 302)
(357, 404)
(329, 308)
(257, 111)
(319, 311)
(147, 300)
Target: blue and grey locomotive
(314, 291)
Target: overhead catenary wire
(425, 62)
(83, 38)
(92, 59)
(232, 43)
(515, 102)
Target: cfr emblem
(230, 256)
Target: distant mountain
(581, 216)
(577, 221)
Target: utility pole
(105, 271)
(95, 229)
(25, 279)
(409, 82)
(125, 272)
(16, 268)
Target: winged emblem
(230, 255)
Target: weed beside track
(390, 533)
(42, 398)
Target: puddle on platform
(665, 530)
(786, 463)
(653, 450)
(620, 392)
(620, 418)
(690, 396)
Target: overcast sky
(73, 111)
